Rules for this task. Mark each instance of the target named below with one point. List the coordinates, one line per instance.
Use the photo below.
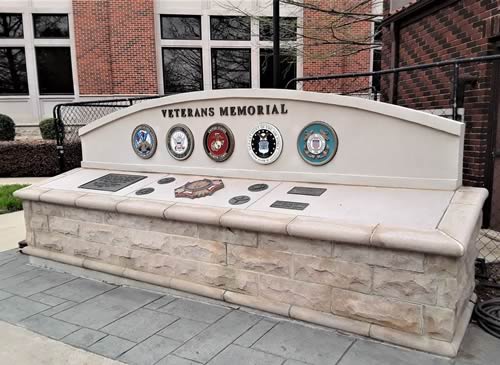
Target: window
(13, 78)
(54, 70)
(288, 29)
(180, 27)
(398, 4)
(288, 62)
(377, 66)
(11, 25)
(51, 25)
(182, 70)
(230, 68)
(230, 28)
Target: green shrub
(48, 128)
(7, 128)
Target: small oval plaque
(144, 191)
(166, 180)
(257, 187)
(240, 199)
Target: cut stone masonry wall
(380, 292)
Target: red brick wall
(115, 46)
(456, 31)
(93, 51)
(326, 59)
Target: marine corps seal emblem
(317, 143)
(199, 188)
(180, 142)
(144, 141)
(265, 143)
(219, 142)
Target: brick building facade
(116, 48)
(427, 31)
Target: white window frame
(206, 44)
(29, 42)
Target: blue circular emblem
(317, 143)
(144, 141)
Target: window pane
(180, 27)
(54, 70)
(230, 28)
(11, 25)
(182, 70)
(51, 26)
(288, 62)
(230, 68)
(288, 29)
(377, 66)
(13, 78)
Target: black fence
(70, 117)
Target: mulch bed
(489, 275)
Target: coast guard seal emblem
(180, 142)
(219, 142)
(199, 188)
(144, 141)
(265, 143)
(317, 143)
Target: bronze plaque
(302, 190)
(286, 204)
(112, 182)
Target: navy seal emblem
(317, 143)
(265, 143)
(180, 142)
(144, 141)
(199, 188)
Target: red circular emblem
(219, 142)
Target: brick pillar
(325, 59)
(93, 52)
(115, 45)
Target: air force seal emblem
(265, 143)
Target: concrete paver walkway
(145, 327)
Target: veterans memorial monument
(335, 210)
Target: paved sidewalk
(144, 327)
(12, 230)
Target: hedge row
(26, 158)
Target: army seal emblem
(199, 188)
(265, 143)
(180, 142)
(144, 141)
(219, 142)
(317, 143)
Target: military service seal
(144, 141)
(199, 188)
(317, 143)
(180, 142)
(218, 142)
(265, 143)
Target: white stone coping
(414, 116)
(451, 237)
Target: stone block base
(414, 299)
